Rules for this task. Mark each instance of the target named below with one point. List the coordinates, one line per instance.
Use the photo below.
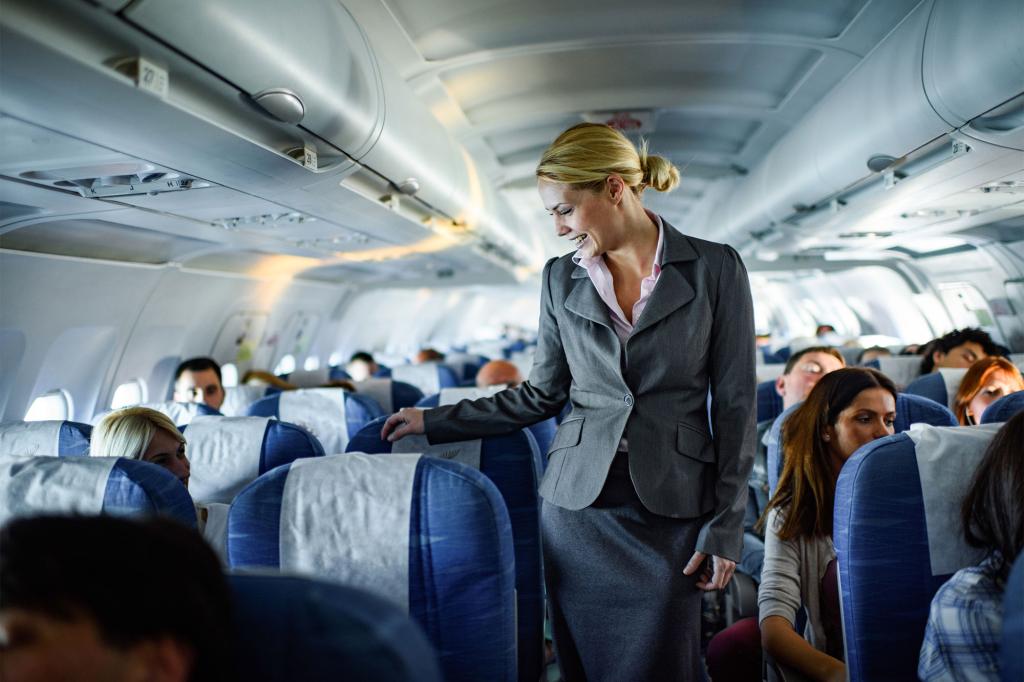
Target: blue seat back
(291, 628)
(514, 464)
(50, 438)
(126, 487)
(1004, 408)
(461, 568)
(940, 386)
(910, 409)
(254, 445)
(896, 544)
(1011, 668)
(769, 402)
(359, 410)
(238, 398)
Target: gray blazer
(696, 334)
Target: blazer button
(628, 399)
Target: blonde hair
(128, 432)
(586, 154)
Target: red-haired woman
(987, 380)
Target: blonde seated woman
(142, 433)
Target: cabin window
(311, 364)
(52, 405)
(285, 366)
(334, 360)
(229, 375)
(132, 392)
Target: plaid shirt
(965, 624)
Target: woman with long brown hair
(847, 408)
(987, 380)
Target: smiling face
(997, 384)
(868, 417)
(167, 451)
(587, 219)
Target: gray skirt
(621, 608)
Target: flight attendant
(646, 483)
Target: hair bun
(659, 173)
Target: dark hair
(957, 337)
(362, 356)
(795, 357)
(993, 510)
(806, 489)
(198, 365)
(138, 580)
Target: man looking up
(197, 380)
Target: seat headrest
(916, 409)
(426, 377)
(1004, 408)
(291, 628)
(238, 398)
(902, 369)
(90, 485)
(322, 412)
(180, 413)
(225, 454)
(51, 438)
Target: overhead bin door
(973, 68)
(306, 61)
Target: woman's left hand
(708, 581)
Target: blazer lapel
(672, 291)
(586, 302)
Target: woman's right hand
(407, 421)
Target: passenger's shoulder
(971, 586)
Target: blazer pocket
(694, 443)
(568, 434)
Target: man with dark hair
(959, 348)
(361, 366)
(197, 380)
(106, 598)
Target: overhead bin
(973, 60)
(303, 61)
(973, 68)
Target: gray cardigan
(791, 578)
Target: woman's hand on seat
(708, 581)
(407, 421)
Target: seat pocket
(694, 443)
(568, 435)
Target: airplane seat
(902, 369)
(769, 402)
(434, 537)
(770, 372)
(383, 372)
(309, 378)
(514, 347)
(898, 537)
(337, 373)
(391, 395)
(1011, 665)
(915, 409)
(90, 485)
(940, 386)
(426, 377)
(543, 432)
(514, 464)
(238, 398)
(180, 413)
(1004, 408)
(330, 414)
(910, 409)
(447, 377)
(466, 365)
(50, 438)
(228, 453)
(292, 628)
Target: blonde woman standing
(645, 488)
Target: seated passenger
(802, 371)
(105, 598)
(142, 433)
(498, 372)
(361, 366)
(959, 348)
(985, 382)
(428, 355)
(873, 353)
(198, 380)
(962, 639)
(846, 409)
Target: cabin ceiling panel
(455, 28)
